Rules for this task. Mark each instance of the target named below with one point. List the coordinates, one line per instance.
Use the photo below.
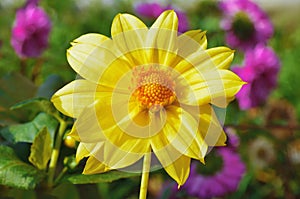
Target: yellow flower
(146, 91)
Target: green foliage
(40, 151)
(14, 87)
(29, 123)
(14, 172)
(289, 80)
(27, 132)
(96, 178)
(66, 191)
(35, 105)
(50, 86)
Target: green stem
(37, 69)
(145, 176)
(65, 169)
(23, 66)
(55, 151)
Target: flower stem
(23, 66)
(36, 70)
(55, 151)
(145, 176)
(65, 169)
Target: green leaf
(35, 105)
(50, 86)
(15, 173)
(242, 188)
(14, 87)
(27, 132)
(96, 178)
(40, 151)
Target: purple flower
(150, 10)
(32, 2)
(245, 23)
(260, 71)
(30, 31)
(233, 140)
(153, 10)
(224, 181)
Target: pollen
(154, 88)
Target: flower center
(154, 88)
(242, 26)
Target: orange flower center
(154, 88)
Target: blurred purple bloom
(233, 140)
(245, 23)
(153, 10)
(32, 2)
(30, 31)
(221, 183)
(150, 10)
(260, 71)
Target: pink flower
(260, 71)
(224, 181)
(30, 31)
(153, 10)
(220, 176)
(150, 10)
(245, 23)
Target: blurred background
(265, 131)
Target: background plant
(31, 128)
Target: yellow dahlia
(146, 92)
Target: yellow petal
(94, 166)
(124, 116)
(75, 96)
(126, 22)
(179, 170)
(91, 38)
(167, 20)
(86, 149)
(221, 57)
(162, 37)
(205, 60)
(91, 60)
(181, 130)
(126, 143)
(216, 87)
(117, 157)
(81, 152)
(164, 150)
(87, 127)
(210, 127)
(191, 41)
(118, 76)
(129, 34)
(210, 59)
(110, 120)
(109, 155)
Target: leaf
(27, 132)
(35, 105)
(14, 88)
(40, 151)
(15, 173)
(96, 178)
(50, 86)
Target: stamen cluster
(154, 88)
